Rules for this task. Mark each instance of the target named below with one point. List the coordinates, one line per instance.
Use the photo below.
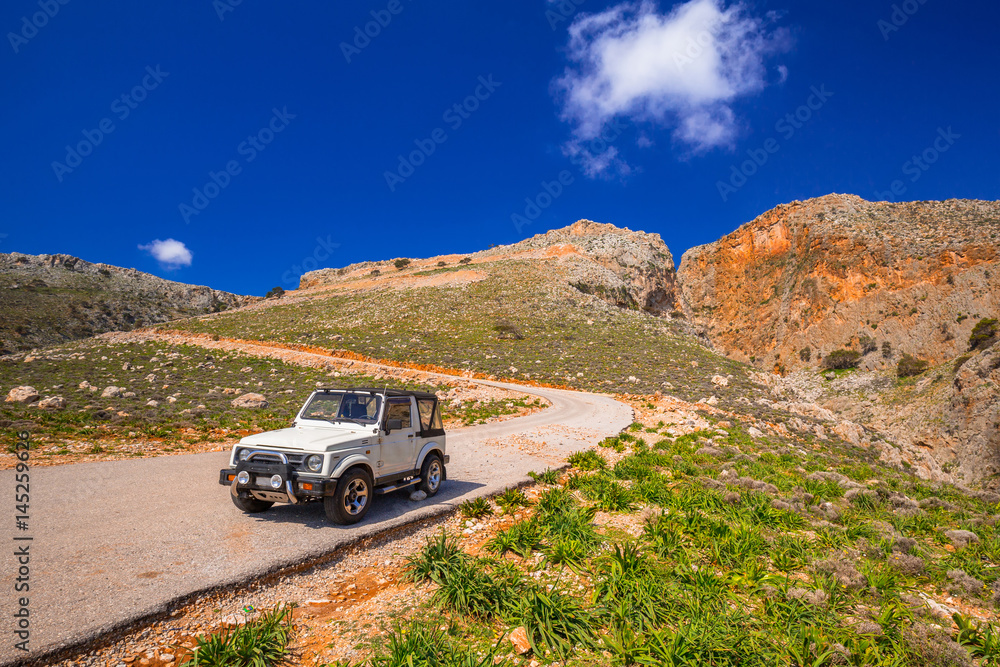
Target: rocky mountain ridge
(838, 272)
(49, 299)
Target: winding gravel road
(117, 541)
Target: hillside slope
(811, 277)
(50, 299)
(581, 306)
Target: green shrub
(511, 499)
(475, 508)
(401, 264)
(465, 260)
(421, 645)
(587, 460)
(507, 330)
(983, 334)
(275, 293)
(805, 354)
(909, 366)
(867, 344)
(260, 643)
(960, 362)
(550, 476)
(840, 359)
(887, 350)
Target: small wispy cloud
(171, 254)
(683, 69)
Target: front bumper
(292, 489)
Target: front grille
(293, 459)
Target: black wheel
(249, 504)
(431, 475)
(352, 499)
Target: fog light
(243, 477)
(276, 481)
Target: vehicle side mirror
(393, 425)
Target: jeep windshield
(343, 407)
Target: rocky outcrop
(252, 401)
(632, 270)
(50, 299)
(22, 395)
(808, 278)
(626, 268)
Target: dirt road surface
(115, 542)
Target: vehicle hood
(308, 438)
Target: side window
(400, 411)
(430, 415)
(426, 409)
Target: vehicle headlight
(242, 454)
(315, 462)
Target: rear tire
(431, 475)
(350, 502)
(249, 504)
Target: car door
(399, 447)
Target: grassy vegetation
(745, 552)
(473, 414)
(262, 642)
(565, 337)
(194, 377)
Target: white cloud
(682, 69)
(170, 254)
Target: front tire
(431, 475)
(350, 502)
(249, 504)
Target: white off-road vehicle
(345, 446)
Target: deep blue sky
(323, 175)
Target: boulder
(519, 638)
(417, 496)
(52, 403)
(849, 431)
(22, 395)
(113, 392)
(254, 401)
(720, 381)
